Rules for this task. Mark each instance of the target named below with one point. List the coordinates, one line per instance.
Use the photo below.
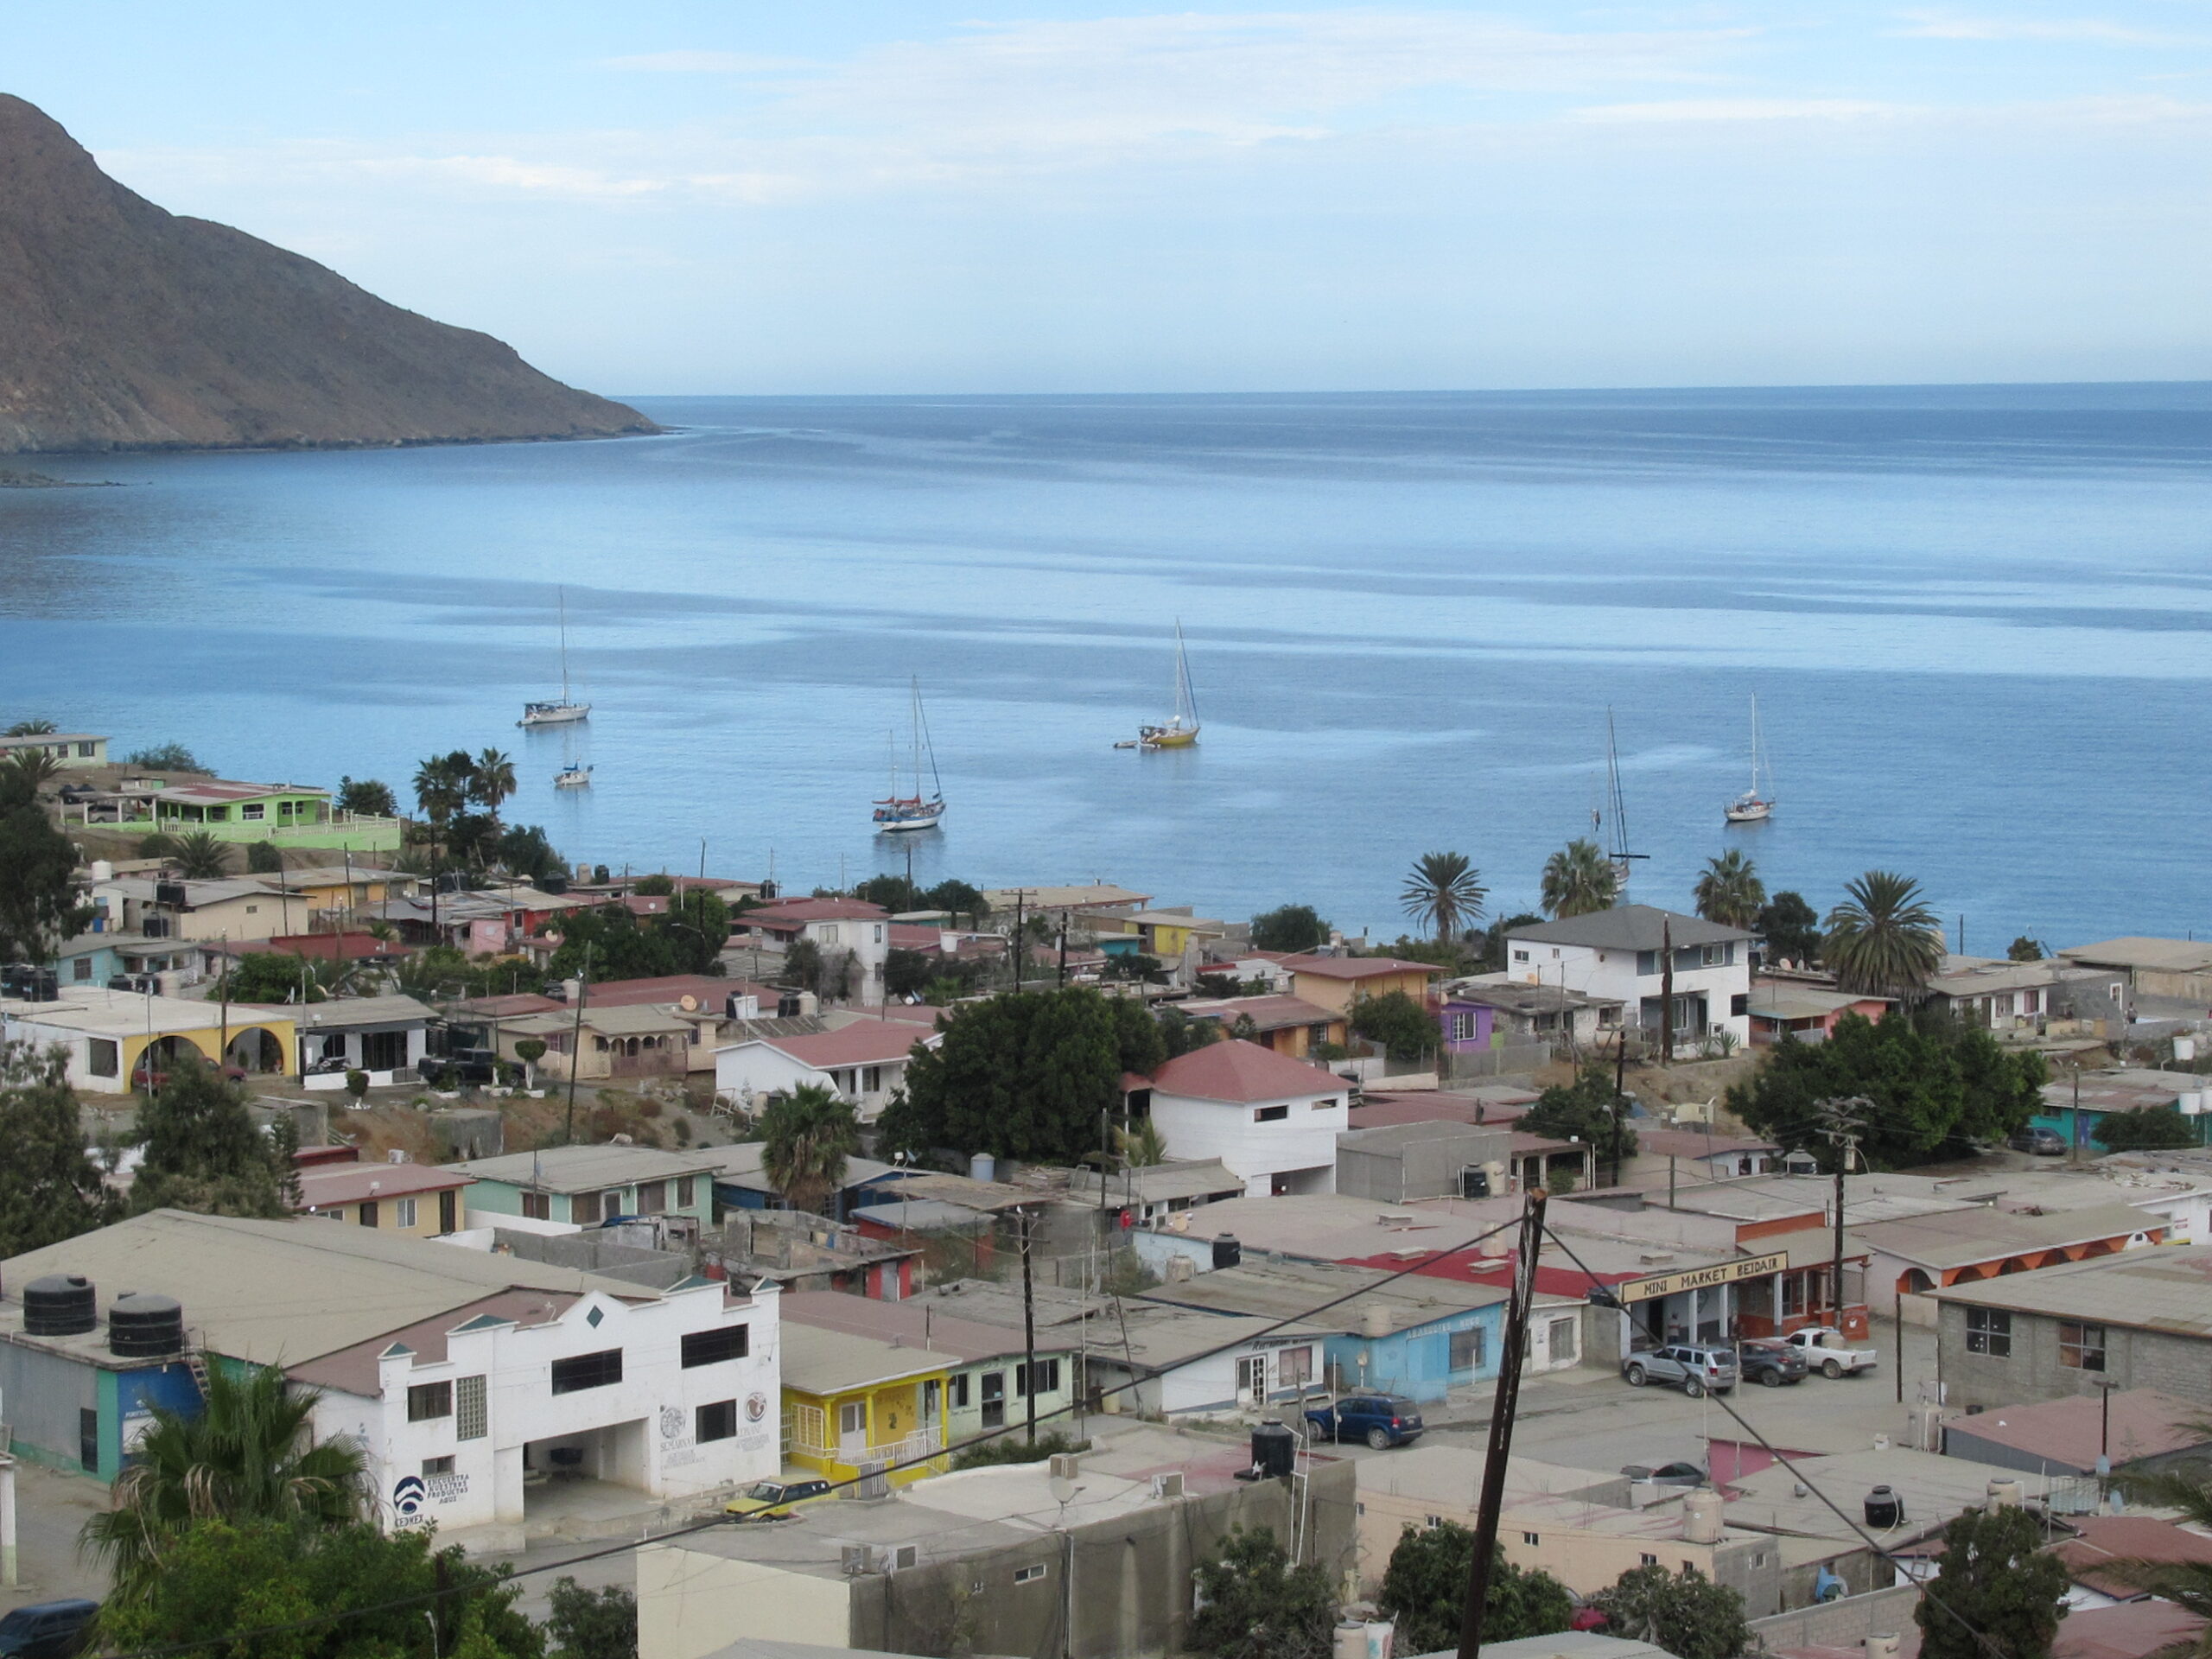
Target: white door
(852, 1430)
(1252, 1380)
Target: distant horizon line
(1715, 390)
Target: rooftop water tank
(981, 1166)
(1227, 1251)
(59, 1304)
(1701, 1514)
(145, 1325)
(1885, 1508)
(1275, 1449)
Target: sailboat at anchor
(1181, 728)
(564, 711)
(1751, 806)
(900, 812)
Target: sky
(736, 197)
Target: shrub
(1013, 1446)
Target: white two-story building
(1620, 954)
(864, 1063)
(1273, 1121)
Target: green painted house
(589, 1184)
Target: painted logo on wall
(408, 1495)
(671, 1422)
(756, 1407)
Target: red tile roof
(869, 1042)
(1266, 1013)
(2131, 1631)
(1357, 967)
(1241, 1072)
(780, 911)
(2108, 1538)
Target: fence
(1499, 1060)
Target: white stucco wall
(1305, 1139)
(691, 1602)
(1612, 973)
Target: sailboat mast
(562, 594)
(923, 742)
(1755, 742)
(1613, 791)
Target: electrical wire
(429, 1596)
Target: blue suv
(1381, 1420)
(47, 1630)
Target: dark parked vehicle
(462, 1065)
(1381, 1420)
(1769, 1363)
(46, 1630)
(2043, 1143)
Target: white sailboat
(1181, 729)
(897, 812)
(1752, 807)
(565, 711)
(572, 777)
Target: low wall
(1845, 1624)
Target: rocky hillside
(126, 327)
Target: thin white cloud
(1742, 109)
(1943, 25)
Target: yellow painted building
(107, 1035)
(851, 1401)
(1339, 983)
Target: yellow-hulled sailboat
(1181, 729)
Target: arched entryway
(255, 1049)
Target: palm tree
(30, 728)
(441, 789)
(493, 780)
(36, 767)
(806, 1136)
(1141, 1146)
(1730, 891)
(1446, 892)
(1579, 879)
(2187, 1584)
(198, 856)
(1883, 941)
(247, 1456)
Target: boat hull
(1162, 737)
(1749, 812)
(573, 779)
(901, 817)
(556, 714)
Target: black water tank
(144, 1325)
(171, 894)
(1885, 1508)
(1227, 1252)
(553, 884)
(59, 1304)
(787, 1006)
(1275, 1449)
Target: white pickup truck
(1827, 1352)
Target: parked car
(1769, 1363)
(773, 1500)
(1826, 1352)
(1666, 1474)
(2043, 1143)
(1381, 1420)
(462, 1065)
(1695, 1368)
(150, 1078)
(46, 1630)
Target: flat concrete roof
(2161, 1287)
(582, 1169)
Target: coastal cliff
(129, 327)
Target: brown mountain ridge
(125, 327)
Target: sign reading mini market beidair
(1724, 1273)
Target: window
(599, 1371)
(368, 1212)
(1559, 1341)
(384, 1051)
(1989, 1330)
(83, 751)
(1295, 1368)
(426, 1401)
(687, 1190)
(652, 1198)
(1270, 1114)
(1463, 1028)
(471, 1422)
(437, 1466)
(402, 1213)
(713, 1347)
(993, 1399)
(583, 1208)
(538, 1207)
(1647, 1560)
(1328, 1105)
(1531, 1539)
(1520, 955)
(1048, 1378)
(871, 1080)
(829, 934)
(102, 1058)
(1029, 1574)
(1793, 1293)
(2081, 1347)
(88, 1439)
(1739, 1005)
(960, 1392)
(1647, 964)
(1714, 955)
(254, 811)
(715, 1422)
(81, 968)
(1467, 1350)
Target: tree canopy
(38, 902)
(1406, 1030)
(1579, 879)
(2025, 948)
(584, 1623)
(2150, 1128)
(1937, 1086)
(1882, 939)
(1581, 1110)
(1789, 928)
(2007, 1591)
(366, 796)
(1730, 891)
(1289, 927)
(806, 1136)
(1444, 891)
(620, 946)
(1024, 1074)
(1425, 1591)
(203, 1150)
(1685, 1613)
(271, 976)
(1254, 1605)
(50, 1189)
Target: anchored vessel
(902, 812)
(564, 711)
(1751, 806)
(1181, 729)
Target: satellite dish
(1062, 1489)
(688, 1002)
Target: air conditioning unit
(1180, 1268)
(1169, 1485)
(896, 1557)
(853, 1560)
(1064, 1466)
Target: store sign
(1724, 1273)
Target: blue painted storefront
(1417, 1361)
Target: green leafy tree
(271, 976)
(1256, 1606)
(1138, 1043)
(1024, 1074)
(1424, 1592)
(164, 757)
(1406, 1030)
(584, 1623)
(698, 926)
(1179, 1034)
(360, 1593)
(247, 1456)
(1937, 1087)
(907, 973)
(1289, 927)
(1444, 892)
(50, 1189)
(32, 729)
(38, 895)
(958, 897)
(261, 858)
(1883, 940)
(366, 798)
(2151, 1128)
(525, 850)
(1579, 879)
(900, 1126)
(806, 1137)
(2025, 949)
(36, 767)
(198, 856)
(1685, 1613)
(1730, 891)
(803, 965)
(894, 893)
(1789, 928)
(203, 1150)
(1494, 936)
(529, 1051)
(621, 946)
(1581, 1110)
(441, 785)
(492, 781)
(2006, 1591)
(654, 886)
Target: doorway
(1252, 1380)
(852, 1430)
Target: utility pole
(1028, 1331)
(1063, 951)
(1020, 936)
(1620, 1092)
(1503, 1405)
(576, 1048)
(1843, 1122)
(1666, 992)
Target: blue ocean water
(1977, 620)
